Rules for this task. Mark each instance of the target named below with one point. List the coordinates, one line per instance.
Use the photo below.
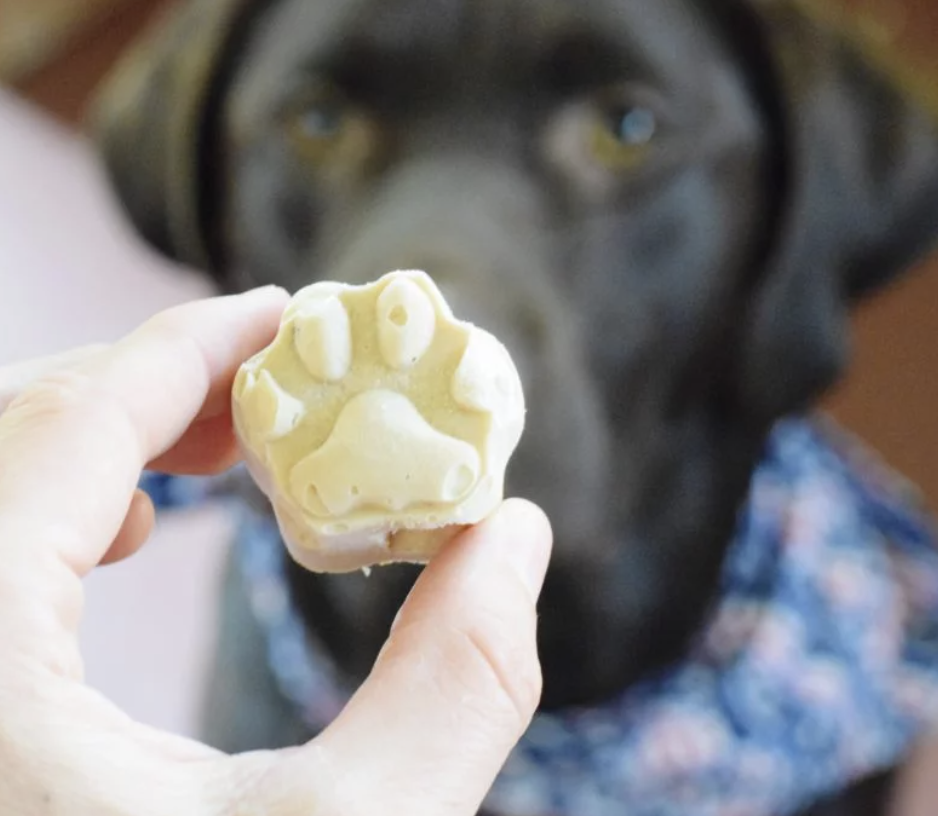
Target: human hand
(451, 693)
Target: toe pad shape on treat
(277, 412)
(376, 422)
(406, 323)
(485, 379)
(323, 338)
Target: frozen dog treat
(377, 424)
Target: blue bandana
(818, 667)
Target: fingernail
(262, 292)
(526, 537)
(273, 287)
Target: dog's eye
(317, 122)
(320, 121)
(326, 131)
(634, 127)
(622, 135)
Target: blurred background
(70, 273)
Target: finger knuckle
(73, 392)
(56, 393)
(287, 783)
(169, 324)
(175, 328)
(502, 666)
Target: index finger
(72, 445)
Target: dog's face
(573, 186)
(623, 191)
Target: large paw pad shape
(377, 423)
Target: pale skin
(450, 695)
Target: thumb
(450, 695)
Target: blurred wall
(891, 395)
(76, 59)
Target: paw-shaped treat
(377, 423)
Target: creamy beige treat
(377, 423)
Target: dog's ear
(150, 124)
(857, 189)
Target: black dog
(665, 208)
